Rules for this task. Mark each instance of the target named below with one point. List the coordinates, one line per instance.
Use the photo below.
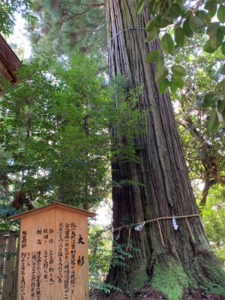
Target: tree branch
(208, 184)
(89, 6)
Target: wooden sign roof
(52, 206)
(9, 62)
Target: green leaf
(221, 13)
(223, 115)
(180, 36)
(208, 99)
(212, 12)
(150, 25)
(152, 34)
(222, 83)
(178, 71)
(196, 23)
(161, 74)
(210, 4)
(161, 71)
(151, 7)
(140, 7)
(221, 105)
(213, 28)
(153, 23)
(167, 44)
(223, 48)
(177, 82)
(217, 39)
(165, 22)
(173, 11)
(203, 16)
(153, 56)
(208, 48)
(213, 122)
(222, 70)
(187, 28)
(160, 63)
(164, 85)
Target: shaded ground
(147, 293)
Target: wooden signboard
(53, 253)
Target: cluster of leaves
(7, 211)
(201, 138)
(99, 257)
(7, 11)
(204, 149)
(61, 25)
(177, 21)
(214, 220)
(55, 131)
(102, 253)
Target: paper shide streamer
(175, 226)
(139, 227)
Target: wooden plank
(4, 72)
(50, 207)
(8, 58)
(9, 269)
(15, 273)
(2, 251)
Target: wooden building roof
(52, 206)
(9, 62)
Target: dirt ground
(147, 293)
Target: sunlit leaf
(140, 7)
(161, 71)
(152, 34)
(221, 13)
(223, 48)
(167, 43)
(187, 28)
(178, 71)
(173, 11)
(177, 82)
(150, 25)
(196, 23)
(203, 16)
(216, 39)
(222, 70)
(208, 99)
(208, 48)
(210, 4)
(180, 36)
(164, 85)
(213, 122)
(153, 56)
(213, 28)
(221, 105)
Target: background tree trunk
(185, 261)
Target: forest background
(55, 123)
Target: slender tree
(172, 259)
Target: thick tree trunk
(185, 260)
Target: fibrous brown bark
(186, 259)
